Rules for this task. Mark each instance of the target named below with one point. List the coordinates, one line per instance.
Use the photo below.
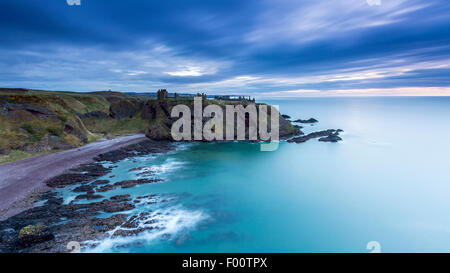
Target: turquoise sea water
(388, 181)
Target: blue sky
(262, 47)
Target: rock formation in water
(330, 135)
(311, 120)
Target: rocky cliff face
(158, 113)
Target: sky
(264, 48)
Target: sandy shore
(21, 179)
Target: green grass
(94, 137)
(116, 127)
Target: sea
(384, 188)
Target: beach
(21, 179)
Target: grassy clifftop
(34, 121)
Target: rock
(165, 108)
(311, 120)
(133, 225)
(137, 169)
(287, 130)
(109, 136)
(286, 116)
(38, 110)
(84, 173)
(123, 109)
(121, 198)
(111, 222)
(99, 182)
(149, 111)
(34, 234)
(334, 137)
(71, 128)
(89, 196)
(330, 138)
(93, 114)
(106, 188)
(159, 132)
(139, 149)
(302, 139)
(67, 179)
(131, 183)
(84, 188)
(114, 206)
(129, 232)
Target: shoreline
(60, 223)
(79, 169)
(22, 180)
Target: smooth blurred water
(388, 181)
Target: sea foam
(161, 224)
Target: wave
(161, 224)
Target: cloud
(231, 46)
(193, 71)
(403, 91)
(318, 20)
(374, 2)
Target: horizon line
(299, 93)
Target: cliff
(35, 121)
(158, 113)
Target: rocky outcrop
(334, 137)
(50, 226)
(93, 114)
(138, 149)
(330, 135)
(89, 196)
(131, 183)
(34, 234)
(158, 112)
(76, 130)
(84, 173)
(149, 111)
(159, 132)
(123, 109)
(311, 120)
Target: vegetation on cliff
(35, 121)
